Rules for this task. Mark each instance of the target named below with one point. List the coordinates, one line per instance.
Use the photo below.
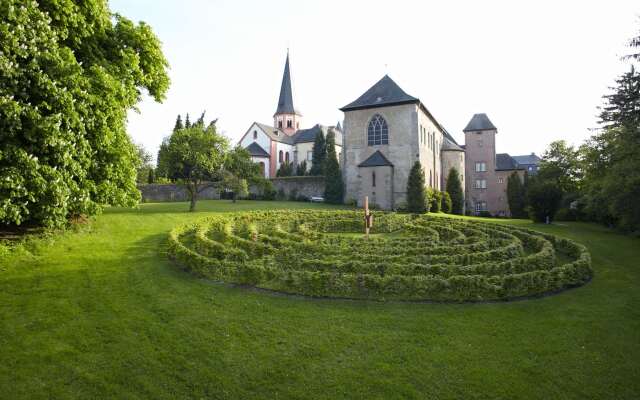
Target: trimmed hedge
(408, 257)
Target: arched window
(261, 168)
(373, 178)
(280, 156)
(286, 157)
(255, 135)
(378, 132)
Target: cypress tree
(454, 188)
(151, 178)
(319, 155)
(178, 124)
(187, 123)
(516, 196)
(334, 187)
(416, 193)
(301, 169)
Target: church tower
(287, 118)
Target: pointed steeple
(285, 102)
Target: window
(309, 155)
(373, 179)
(286, 157)
(280, 156)
(500, 180)
(378, 132)
(289, 123)
(480, 184)
(261, 168)
(280, 124)
(481, 167)
(255, 135)
(481, 206)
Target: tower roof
(285, 102)
(480, 122)
(384, 93)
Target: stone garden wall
(171, 192)
(306, 186)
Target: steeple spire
(285, 102)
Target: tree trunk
(193, 190)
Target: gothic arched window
(377, 132)
(280, 156)
(286, 157)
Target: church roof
(377, 159)
(285, 102)
(450, 145)
(479, 122)
(307, 135)
(504, 162)
(256, 151)
(384, 93)
(527, 159)
(275, 133)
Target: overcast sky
(537, 68)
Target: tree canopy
(454, 188)
(319, 155)
(68, 74)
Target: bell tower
(287, 118)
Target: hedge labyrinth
(407, 257)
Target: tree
(334, 187)
(143, 164)
(446, 203)
(561, 165)
(416, 193)
(319, 155)
(178, 124)
(187, 123)
(286, 169)
(454, 188)
(435, 200)
(301, 169)
(70, 72)
(237, 185)
(152, 176)
(544, 200)
(162, 166)
(516, 196)
(196, 158)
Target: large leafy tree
(334, 187)
(544, 200)
(69, 71)
(416, 192)
(454, 188)
(611, 184)
(319, 155)
(195, 157)
(561, 164)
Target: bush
(435, 200)
(268, 191)
(446, 203)
(435, 258)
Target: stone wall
(306, 186)
(171, 192)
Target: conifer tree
(319, 155)
(178, 124)
(416, 193)
(187, 123)
(334, 187)
(516, 196)
(454, 188)
(301, 169)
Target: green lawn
(103, 314)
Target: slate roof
(527, 159)
(308, 135)
(271, 132)
(449, 145)
(384, 93)
(504, 162)
(256, 151)
(377, 159)
(285, 102)
(479, 122)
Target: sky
(538, 69)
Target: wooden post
(367, 217)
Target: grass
(102, 314)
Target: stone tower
(287, 117)
(480, 164)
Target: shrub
(416, 193)
(446, 205)
(435, 200)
